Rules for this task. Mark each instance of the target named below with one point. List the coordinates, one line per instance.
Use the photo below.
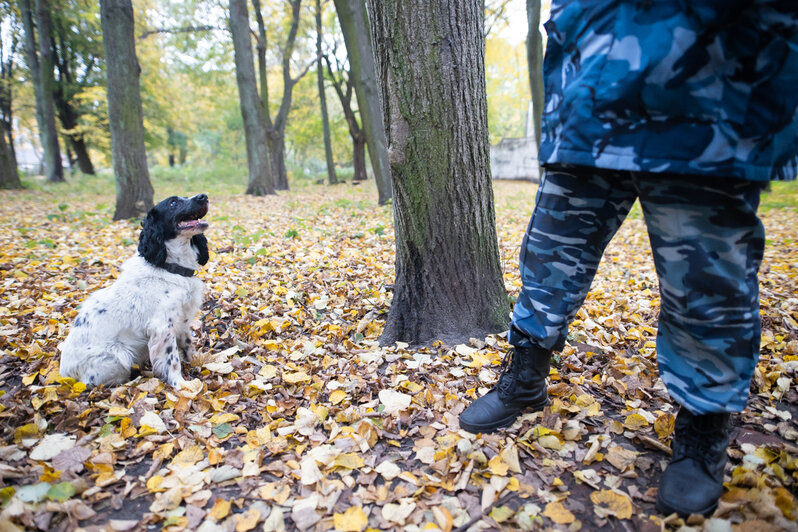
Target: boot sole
(666, 509)
(502, 423)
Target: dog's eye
(173, 203)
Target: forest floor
(298, 419)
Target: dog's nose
(201, 197)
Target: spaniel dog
(150, 306)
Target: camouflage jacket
(705, 87)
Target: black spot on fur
(101, 311)
(169, 349)
(81, 321)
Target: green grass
(782, 195)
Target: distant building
(517, 158)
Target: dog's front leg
(164, 356)
(186, 344)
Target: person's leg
(707, 243)
(577, 212)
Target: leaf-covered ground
(299, 420)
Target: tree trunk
(260, 180)
(354, 22)
(325, 121)
(534, 56)
(69, 120)
(359, 157)
(8, 169)
(276, 142)
(430, 57)
(133, 189)
(42, 76)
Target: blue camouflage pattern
(700, 87)
(707, 243)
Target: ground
(297, 419)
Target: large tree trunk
(355, 26)
(133, 189)
(325, 121)
(8, 169)
(534, 55)
(260, 180)
(430, 57)
(41, 70)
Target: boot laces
(509, 376)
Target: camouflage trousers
(707, 243)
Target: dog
(149, 308)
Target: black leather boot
(693, 481)
(522, 385)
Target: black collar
(179, 270)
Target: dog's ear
(151, 239)
(200, 243)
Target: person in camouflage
(690, 108)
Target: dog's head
(174, 218)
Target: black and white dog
(149, 308)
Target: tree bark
(359, 157)
(41, 69)
(534, 55)
(260, 180)
(8, 169)
(133, 189)
(6, 99)
(355, 27)
(325, 120)
(430, 58)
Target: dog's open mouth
(193, 221)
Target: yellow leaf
(501, 513)
(296, 378)
(635, 422)
(248, 520)
(154, 483)
(164, 451)
(559, 513)
(664, 424)
(220, 509)
(498, 466)
(337, 396)
(621, 458)
(275, 491)
(349, 461)
(188, 456)
(608, 502)
(223, 417)
(352, 520)
(29, 430)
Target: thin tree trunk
(42, 75)
(69, 120)
(8, 169)
(260, 182)
(354, 22)
(325, 121)
(133, 189)
(276, 143)
(430, 57)
(534, 55)
(359, 157)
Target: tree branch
(184, 29)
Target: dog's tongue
(188, 224)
